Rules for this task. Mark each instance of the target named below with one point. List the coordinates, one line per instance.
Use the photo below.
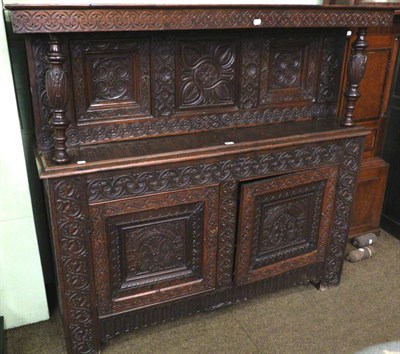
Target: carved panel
(284, 223)
(114, 186)
(111, 78)
(155, 248)
(290, 66)
(206, 75)
(151, 247)
(53, 20)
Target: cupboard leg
(73, 254)
(343, 206)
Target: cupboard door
(155, 248)
(284, 223)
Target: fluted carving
(56, 87)
(355, 73)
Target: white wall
(22, 291)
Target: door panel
(155, 248)
(284, 223)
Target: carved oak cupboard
(192, 156)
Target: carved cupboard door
(284, 223)
(155, 248)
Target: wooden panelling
(391, 153)
(369, 197)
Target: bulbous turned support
(355, 73)
(56, 87)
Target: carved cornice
(155, 19)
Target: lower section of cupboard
(135, 247)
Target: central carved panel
(111, 78)
(286, 68)
(282, 225)
(155, 246)
(207, 71)
(286, 223)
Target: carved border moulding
(135, 19)
(112, 186)
(331, 66)
(56, 88)
(342, 211)
(71, 237)
(37, 48)
(355, 73)
(250, 72)
(163, 78)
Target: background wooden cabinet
(370, 112)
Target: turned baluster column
(56, 87)
(355, 73)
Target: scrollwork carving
(342, 211)
(74, 262)
(116, 186)
(85, 20)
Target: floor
(362, 311)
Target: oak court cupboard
(192, 156)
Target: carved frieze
(65, 20)
(108, 187)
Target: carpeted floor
(364, 310)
